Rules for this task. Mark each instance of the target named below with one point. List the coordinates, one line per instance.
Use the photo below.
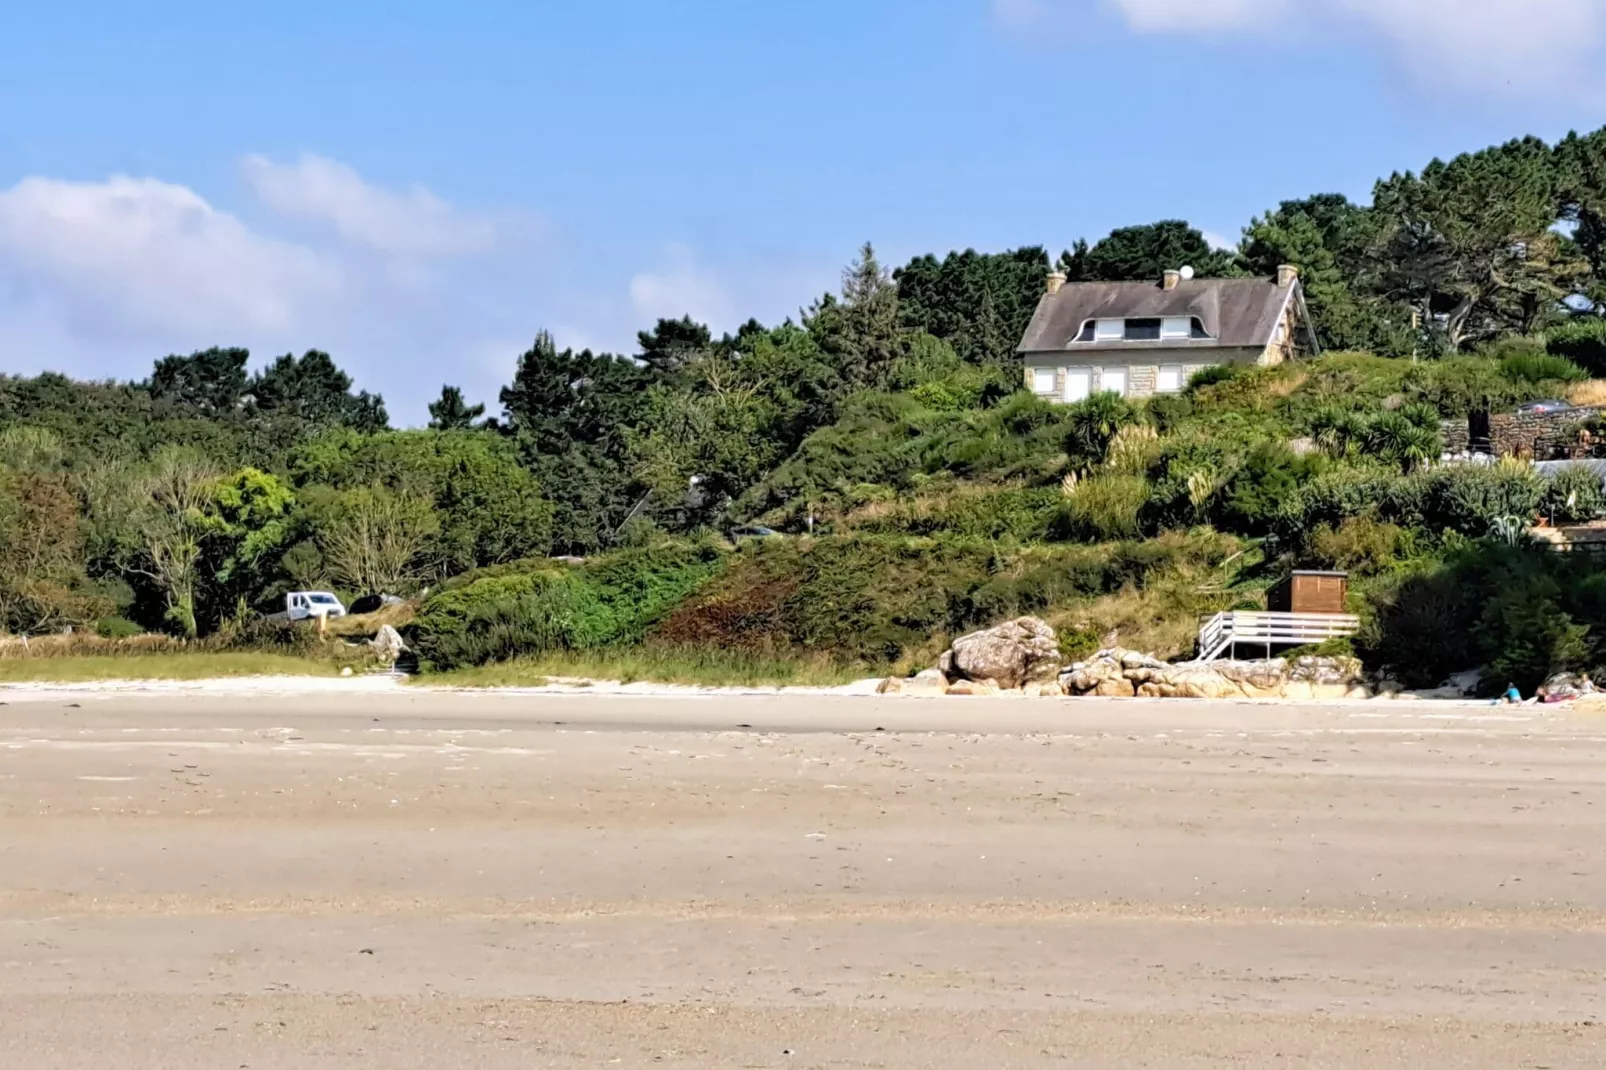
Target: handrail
(1220, 633)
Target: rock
(1013, 654)
(892, 685)
(1202, 683)
(346, 671)
(1132, 659)
(1051, 690)
(974, 688)
(1358, 693)
(945, 665)
(1116, 687)
(388, 643)
(930, 678)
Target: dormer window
(1144, 329)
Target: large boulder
(1020, 652)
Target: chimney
(1056, 281)
(1170, 280)
(1286, 275)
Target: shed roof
(1235, 312)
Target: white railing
(1222, 632)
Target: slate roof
(1235, 313)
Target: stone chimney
(1286, 274)
(1056, 281)
(1170, 280)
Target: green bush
(117, 628)
(1574, 496)
(1360, 545)
(1092, 423)
(1581, 340)
(1541, 367)
(1216, 373)
(513, 612)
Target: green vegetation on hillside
(919, 490)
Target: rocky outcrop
(1021, 652)
(1022, 657)
(1114, 672)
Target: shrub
(1574, 495)
(1104, 506)
(1582, 341)
(118, 628)
(512, 612)
(1459, 386)
(1216, 373)
(1093, 423)
(1360, 545)
(1541, 367)
(1269, 477)
(1394, 438)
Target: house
(1139, 339)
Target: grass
(705, 668)
(1591, 392)
(186, 666)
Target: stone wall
(1538, 436)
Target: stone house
(1139, 339)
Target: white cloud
(1217, 240)
(414, 223)
(681, 289)
(1520, 47)
(140, 255)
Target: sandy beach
(415, 879)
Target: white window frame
(1109, 330)
(1037, 381)
(1081, 375)
(1180, 380)
(1122, 370)
(1175, 328)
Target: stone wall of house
(1537, 436)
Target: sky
(418, 186)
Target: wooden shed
(1310, 592)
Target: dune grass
(705, 668)
(184, 666)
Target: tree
(246, 523)
(979, 303)
(42, 581)
(452, 413)
(1144, 253)
(1470, 241)
(860, 332)
(378, 540)
(672, 343)
(489, 506)
(1329, 240)
(170, 499)
(212, 382)
(571, 415)
(312, 390)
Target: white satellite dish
(1186, 273)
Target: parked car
(1543, 405)
(310, 605)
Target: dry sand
(454, 881)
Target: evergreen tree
(451, 413)
(212, 382)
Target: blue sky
(418, 187)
